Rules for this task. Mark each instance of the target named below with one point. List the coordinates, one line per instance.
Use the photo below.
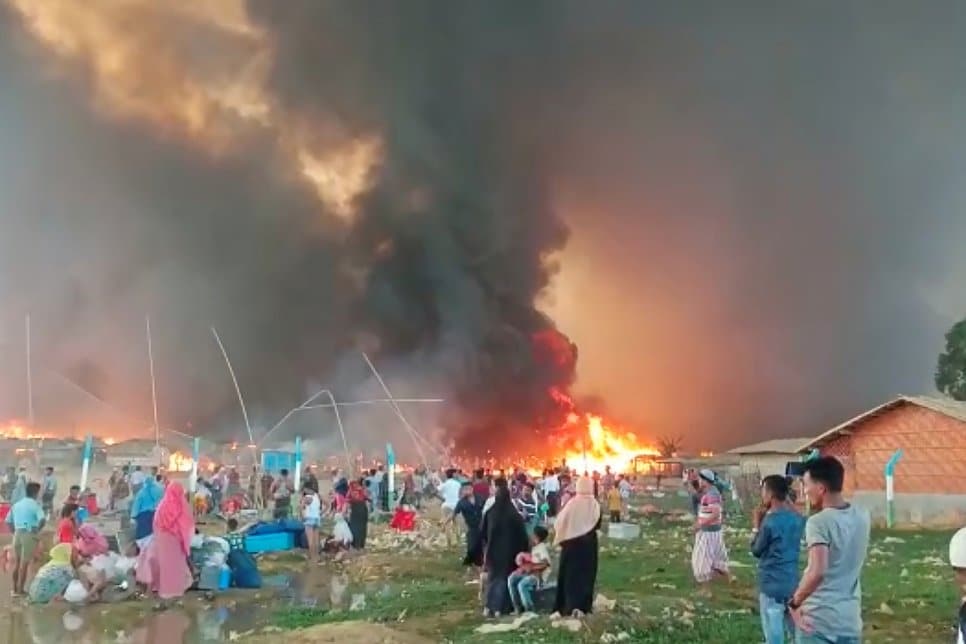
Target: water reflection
(196, 621)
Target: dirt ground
(355, 632)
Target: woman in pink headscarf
(163, 565)
(89, 542)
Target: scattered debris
(885, 609)
(615, 637)
(505, 627)
(893, 540)
(602, 604)
(358, 602)
(571, 624)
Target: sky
(747, 219)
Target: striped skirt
(709, 556)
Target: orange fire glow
(594, 445)
(18, 430)
(178, 462)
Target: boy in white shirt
(533, 572)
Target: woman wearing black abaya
(506, 537)
(576, 533)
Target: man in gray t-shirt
(827, 605)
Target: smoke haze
(749, 221)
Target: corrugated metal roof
(774, 446)
(945, 406)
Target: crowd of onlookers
(512, 522)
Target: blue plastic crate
(214, 578)
(269, 542)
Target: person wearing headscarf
(90, 542)
(163, 565)
(575, 531)
(358, 502)
(505, 537)
(142, 510)
(709, 556)
(53, 577)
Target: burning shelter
(930, 477)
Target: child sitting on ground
(533, 571)
(235, 539)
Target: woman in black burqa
(505, 536)
(576, 533)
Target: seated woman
(89, 547)
(52, 579)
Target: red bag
(403, 520)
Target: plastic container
(214, 578)
(81, 514)
(269, 542)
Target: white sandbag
(124, 565)
(105, 564)
(216, 559)
(342, 533)
(222, 543)
(75, 593)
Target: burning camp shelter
(930, 477)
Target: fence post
(890, 470)
(391, 470)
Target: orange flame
(17, 430)
(178, 462)
(595, 446)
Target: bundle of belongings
(216, 565)
(404, 519)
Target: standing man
(710, 556)
(137, 480)
(282, 490)
(111, 483)
(449, 492)
(473, 516)
(827, 605)
(551, 491)
(48, 492)
(776, 537)
(607, 481)
(26, 517)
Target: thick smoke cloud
(763, 208)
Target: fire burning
(17, 430)
(590, 444)
(178, 462)
(594, 445)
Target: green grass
(908, 593)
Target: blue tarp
(282, 525)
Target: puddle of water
(197, 620)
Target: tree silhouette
(951, 366)
(669, 446)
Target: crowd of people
(514, 524)
(822, 605)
